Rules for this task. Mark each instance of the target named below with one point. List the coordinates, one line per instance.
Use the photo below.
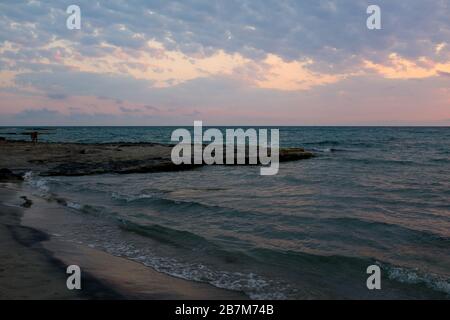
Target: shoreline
(34, 263)
(29, 271)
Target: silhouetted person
(34, 137)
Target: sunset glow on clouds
(400, 68)
(224, 62)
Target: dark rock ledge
(72, 159)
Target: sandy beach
(28, 270)
(34, 262)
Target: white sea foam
(409, 276)
(38, 184)
(106, 236)
(74, 205)
(131, 198)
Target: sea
(371, 196)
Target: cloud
(397, 67)
(130, 110)
(224, 60)
(43, 113)
(57, 96)
(331, 32)
(151, 108)
(47, 117)
(194, 113)
(444, 74)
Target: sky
(227, 62)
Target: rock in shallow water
(7, 175)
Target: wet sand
(27, 270)
(33, 263)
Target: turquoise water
(371, 196)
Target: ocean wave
(39, 186)
(251, 283)
(396, 231)
(384, 229)
(392, 230)
(408, 276)
(342, 267)
(131, 198)
(98, 211)
(311, 265)
(335, 143)
(324, 142)
(338, 268)
(178, 238)
(440, 160)
(169, 205)
(74, 205)
(383, 161)
(327, 150)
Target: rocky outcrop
(120, 167)
(293, 154)
(7, 175)
(73, 159)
